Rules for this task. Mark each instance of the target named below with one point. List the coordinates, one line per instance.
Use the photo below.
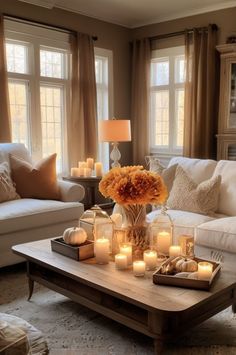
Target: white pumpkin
(74, 236)
(186, 265)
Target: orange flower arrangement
(133, 188)
(133, 185)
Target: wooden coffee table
(160, 312)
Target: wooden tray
(171, 280)
(76, 252)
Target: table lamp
(114, 131)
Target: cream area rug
(71, 329)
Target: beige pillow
(168, 174)
(7, 188)
(39, 181)
(188, 196)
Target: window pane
(160, 117)
(51, 119)
(101, 70)
(19, 111)
(179, 69)
(52, 64)
(16, 58)
(160, 72)
(179, 99)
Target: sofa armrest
(71, 192)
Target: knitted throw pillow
(188, 196)
(7, 188)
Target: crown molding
(159, 19)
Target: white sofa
(27, 219)
(212, 233)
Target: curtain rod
(42, 25)
(179, 33)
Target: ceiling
(135, 13)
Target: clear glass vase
(136, 228)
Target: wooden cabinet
(226, 137)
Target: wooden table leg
(31, 287)
(234, 302)
(158, 346)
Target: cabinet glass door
(232, 108)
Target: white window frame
(172, 149)
(103, 148)
(36, 38)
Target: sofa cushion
(198, 169)
(181, 218)
(17, 149)
(227, 198)
(184, 222)
(7, 189)
(188, 196)
(218, 234)
(27, 214)
(38, 181)
(168, 174)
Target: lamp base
(115, 155)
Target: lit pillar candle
(101, 250)
(90, 163)
(87, 172)
(98, 169)
(82, 164)
(150, 258)
(204, 270)
(74, 172)
(139, 267)
(121, 261)
(81, 171)
(163, 242)
(175, 250)
(126, 249)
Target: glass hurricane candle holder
(161, 232)
(91, 218)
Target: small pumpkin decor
(74, 236)
(186, 265)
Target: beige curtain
(82, 133)
(141, 58)
(200, 111)
(5, 121)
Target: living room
(163, 74)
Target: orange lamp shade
(114, 131)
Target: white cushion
(218, 234)
(17, 149)
(71, 192)
(227, 199)
(181, 218)
(184, 222)
(29, 213)
(198, 169)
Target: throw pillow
(39, 181)
(7, 188)
(168, 174)
(154, 164)
(188, 196)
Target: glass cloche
(161, 232)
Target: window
(38, 64)
(38, 73)
(103, 70)
(167, 101)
